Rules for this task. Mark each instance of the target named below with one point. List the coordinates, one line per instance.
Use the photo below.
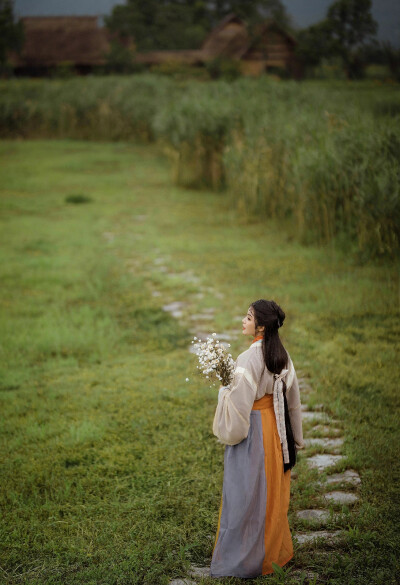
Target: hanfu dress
(253, 529)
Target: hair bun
(269, 314)
(281, 316)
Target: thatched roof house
(270, 46)
(264, 47)
(55, 40)
(228, 40)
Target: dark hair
(271, 316)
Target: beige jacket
(251, 381)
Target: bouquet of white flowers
(215, 363)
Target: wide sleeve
(294, 406)
(232, 416)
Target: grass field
(110, 472)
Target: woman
(258, 418)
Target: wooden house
(229, 40)
(52, 41)
(260, 49)
(270, 47)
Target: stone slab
(314, 416)
(322, 462)
(173, 307)
(304, 537)
(315, 516)
(202, 317)
(343, 498)
(226, 336)
(328, 430)
(219, 337)
(109, 236)
(199, 571)
(315, 407)
(303, 385)
(184, 581)
(349, 476)
(324, 442)
(187, 276)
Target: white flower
(187, 379)
(215, 363)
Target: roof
(52, 40)
(227, 41)
(235, 41)
(269, 24)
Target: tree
(392, 58)
(184, 24)
(251, 11)
(350, 24)
(171, 24)
(11, 32)
(314, 44)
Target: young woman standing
(258, 418)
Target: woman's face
(249, 325)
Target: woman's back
(252, 380)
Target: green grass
(110, 472)
(322, 157)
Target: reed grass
(322, 158)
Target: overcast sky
(303, 12)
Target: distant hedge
(322, 158)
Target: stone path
(324, 461)
(322, 452)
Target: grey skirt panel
(240, 550)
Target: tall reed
(108, 108)
(322, 158)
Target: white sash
(279, 408)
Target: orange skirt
(253, 529)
